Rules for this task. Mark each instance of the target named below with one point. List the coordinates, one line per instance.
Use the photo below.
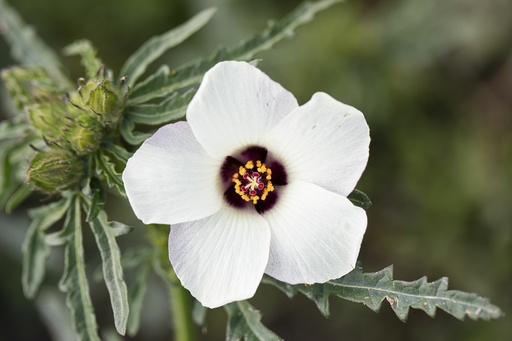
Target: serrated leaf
(50, 214)
(360, 199)
(94, 192)
(151, 87)
(35, 252)
(126, 128)
(112, 269)
(192, 73)
(156, 46)
(106, 168)
(171, 109)
(26, 47)
(136, 296)
(244, 323)
(121, 154)
(373, 288)
(35, 249)
(87, 52)
(74, 279)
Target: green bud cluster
(30, 85)
(72, 123)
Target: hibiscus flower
(253, 183)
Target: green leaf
(35, 252)
(171, 109)
(136, 296)
(192, 73)
(107, 168)
(18, 197)
(35, 249)
(156, 46)
(244, 323)
(26, 47)
(90, 62)
(152, 87)
(112, 269)
(121, 154)
(94, 192)
(360, 199)
(74, 280)
(12, 157)
(126, 128)
(373, 288)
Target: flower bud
(84, 134)
(102, 99)
(47, 118)
(55, 170)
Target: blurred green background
(434, 79)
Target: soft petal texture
(171, 179)
(235, 106)
(316, 234)
(221, 258)
(324, 142)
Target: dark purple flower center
(251, 177)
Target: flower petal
(171, 179)
(234, 107)
(221, 258)
(324, 142)
(316, 234)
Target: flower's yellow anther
(253, 184)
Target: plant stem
(181, 305)
(180, 300)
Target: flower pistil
(253, 184)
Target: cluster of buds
(72, 124)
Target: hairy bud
(55, 170)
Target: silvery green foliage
(123, 103)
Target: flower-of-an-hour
(253, 183)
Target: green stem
(179, 298)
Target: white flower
(253, 183)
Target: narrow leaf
(50, 214)
(74, 280)
(192, 73)
(18, 197)
(171, 109)
(118, 152)
(112, 270)
(35, 249)
(151, 87)
(26, 47)
(360, 199)
(373, 288)
(35, 252)
(156, 46)
(136, 296)
(126, 128)
(87, 52)
(244, 323)
(11, 160)
(107, 168)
